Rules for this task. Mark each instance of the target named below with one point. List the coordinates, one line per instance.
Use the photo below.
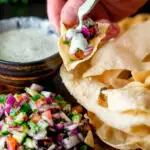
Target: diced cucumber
(32, 105)
(5, 127)
(76, 118)
(19, 136)
(20, 117)
(26, 108)
(31, 92)
(34, 127)
(46, 94)
(29, 143)
(43, 124)
(2, 142)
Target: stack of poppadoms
(114, 86)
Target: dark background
(35, 8)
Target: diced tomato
(9, 119)
(25, 118)
(79, 54)
(78, 109)
(19, 98)
(36, 118)
(11, 143)
(48, 114)
(40, 102)
(92, 31)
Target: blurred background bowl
(17, 75)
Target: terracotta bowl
(15, 76)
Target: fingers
(118, 9)
(99, 12)
(54, 8)
(69, 12)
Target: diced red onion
(81, 137)
(2, 109)
(7, 110)
(52, 147)
(53, 95)
(44, 108)
(49, 139)
(10, 100)
(16, 128)
(74, 132)
(59, 126)
(52, 129)
(49, 100)
(19, 105)
(59, 148)
(71, 127)
(56, 116)
(88, 51)
(85, 32)
(46, 94)
(71, 141)
(59, 138)
(1, 124)
(36, 87)
(65, 117)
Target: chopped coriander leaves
(59, 98)
(72, 60)
(36, 97)
(4, 133)
(84, 147)
(26, 108)
(2, 98)
(66, 42)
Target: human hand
(66, 10)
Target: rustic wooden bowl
(16, 76)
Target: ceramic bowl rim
(5, 62)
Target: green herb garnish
(59, 98)
(4, 133)
(72, 60)
(36, 97)
(84, 147)
(2, 98)
(26, 108)
(66, 42)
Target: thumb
(69, 13)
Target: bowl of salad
(39, 119)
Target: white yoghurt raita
(78, 41)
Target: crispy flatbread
(115, 86)
(116, 138)
(129, 117)
(64, 49)
(129, 104)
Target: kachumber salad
(41, 120)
